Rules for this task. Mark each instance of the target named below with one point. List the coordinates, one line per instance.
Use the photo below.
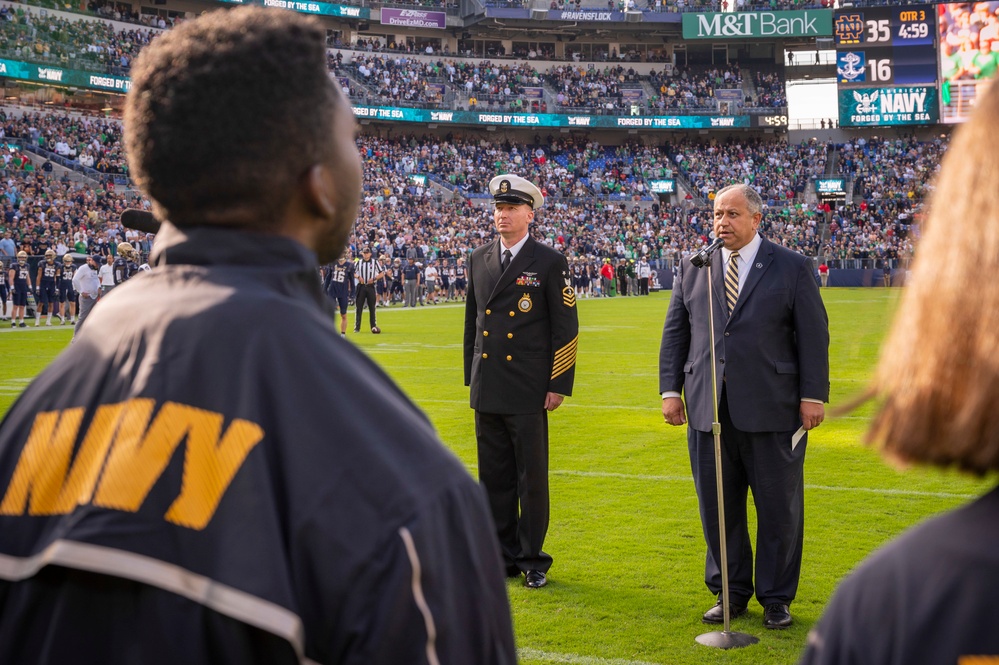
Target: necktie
(506, 258)
(732, 281)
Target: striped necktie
(732, 281)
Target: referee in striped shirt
(368, 271)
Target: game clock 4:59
(769, 120)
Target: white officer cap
(510, 188)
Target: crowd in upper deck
(600, 201)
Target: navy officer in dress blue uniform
(772, 343)
(521, 329)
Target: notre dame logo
(849, 28)
(504, 187)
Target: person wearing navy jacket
(186, 485)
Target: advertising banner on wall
(413, 18)
(318, 8)
(588, 14)
(872, 107)
(768, 25)
(28, 71)
(497, 118)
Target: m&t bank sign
(737, 25)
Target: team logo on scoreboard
(866, 103)
(849, 28)
(850, 67)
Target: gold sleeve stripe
(567, 350)
(559, 371)
(568, 358)
(565, 358)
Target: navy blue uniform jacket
(210, 475)
(926, 598)
(771, 352)
(521, 329)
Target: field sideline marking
(575, 659)
(827, 488)
(683, 479)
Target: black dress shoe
(776, 616)
(512, 572)
(535, 579)
(717, 613)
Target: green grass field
(627, 584)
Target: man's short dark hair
(227, 113)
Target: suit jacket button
(509, 357)
(485, 355)
(509, 335)
(489, 311)
(485, 333)
(512, 313)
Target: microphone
(703, 257)
(140, 220)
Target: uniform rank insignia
(568, 297)
(529, 279)
(525, 304)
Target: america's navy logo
(866, 103)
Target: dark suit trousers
(765, 463)
(513, 469)
(365, 295)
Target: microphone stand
(725, 639)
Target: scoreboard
(829, 189)
(886, 65)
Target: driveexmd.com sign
(737, 25)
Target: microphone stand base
(726, 640)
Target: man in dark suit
(520, 356)
(772, 346)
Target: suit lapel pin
(759, 265)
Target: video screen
(969, 55)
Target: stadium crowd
(400, 80)
(770, 90)
(891, 179)
(393, 78)
(779, 170)
(81, 43)
(90, 141)
(600, 203)
(42, 211)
